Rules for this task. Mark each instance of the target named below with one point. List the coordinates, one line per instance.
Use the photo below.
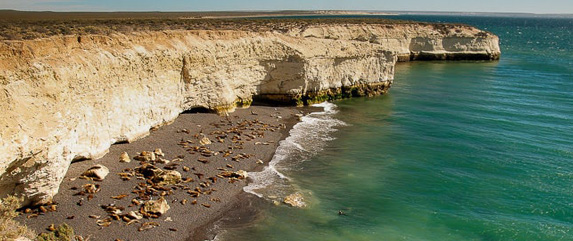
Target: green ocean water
(455, 151)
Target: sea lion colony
(192, 178)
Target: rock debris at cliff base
(68, 97)
(142, 200)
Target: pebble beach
(207, 158)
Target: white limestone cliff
(415, 41)
(71, 97)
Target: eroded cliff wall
(415, 41)
(67, 98)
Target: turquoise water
(455, 151)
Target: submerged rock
(295, 200)
(98, 172)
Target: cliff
(67, 98)
(415, 41)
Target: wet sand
(245, 140)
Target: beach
(455, 151)
(245, 140)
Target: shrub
(9, 228)
(63, 232)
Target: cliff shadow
(283, 84)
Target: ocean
(455, 151)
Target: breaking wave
(305, 140)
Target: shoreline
(163, 73)
(183, 221)
(242, 211)
(241, 207)
(267, 187)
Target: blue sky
(529, 6)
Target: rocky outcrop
(416, 41)
(69, 98)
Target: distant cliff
(70, 97)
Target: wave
(306, 139)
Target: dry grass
(12, 230)
(16, 25)
(9, 228)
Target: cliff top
(17, 25)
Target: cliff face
(68, 98)
(416, 41)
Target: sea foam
(305, 140)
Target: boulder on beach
(134, 215)
(149, 171)
(241, 174)
(159, 206)
(158, 175)
(205, 141)
(124, 157)
(162, 161)
(146, 156)
(159, 152)
(167, 177)
(98, 172)
(238, 174)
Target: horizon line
(284, 10)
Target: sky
(522, 6)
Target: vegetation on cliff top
(16, 25)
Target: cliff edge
(68, 98)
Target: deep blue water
(455, 151)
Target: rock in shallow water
(295, 200)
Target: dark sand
(182, 221)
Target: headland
(74, 87)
